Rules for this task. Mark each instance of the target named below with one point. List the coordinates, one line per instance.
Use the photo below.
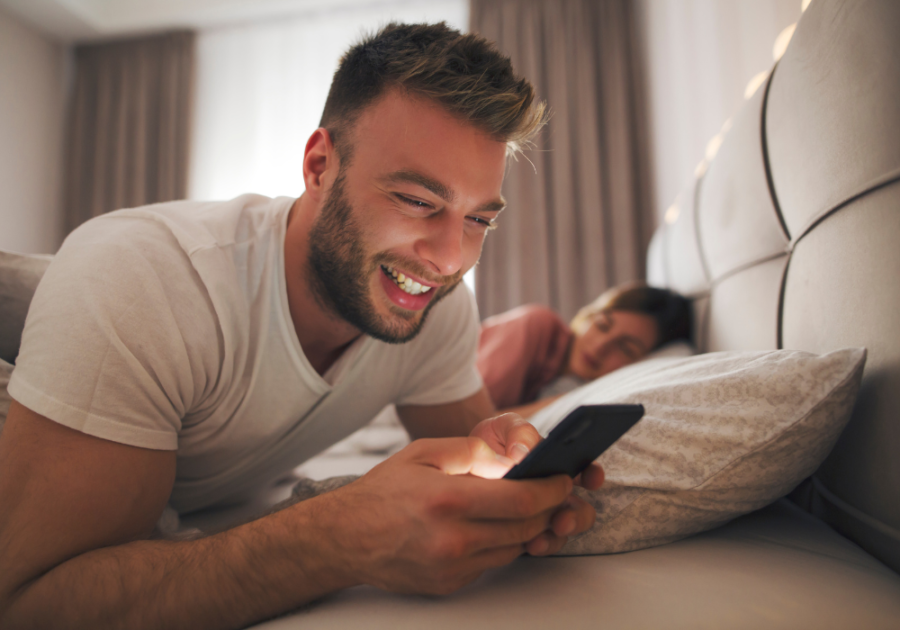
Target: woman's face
(613, 339)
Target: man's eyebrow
(433, 185)
(493, 206)
(439, 189)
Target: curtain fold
(129, 125)
(579, 216)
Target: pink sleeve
(520, 351)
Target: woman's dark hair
(671, 311)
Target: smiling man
(188, 354)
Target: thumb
(463, 456)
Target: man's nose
(441, 246)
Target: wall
(32, 110)
(700, 56)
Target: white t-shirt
(168, 327)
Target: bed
(787, 241)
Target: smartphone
(578, 440)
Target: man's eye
(485, 223)
(415, 203)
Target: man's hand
(426, 520)
(510, 435)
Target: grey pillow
(5, 372)
(19, 277)
(723, 434)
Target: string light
(782, 41)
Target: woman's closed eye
(603, 322)
(630, 348)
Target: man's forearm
(229, 580)
(447, 420)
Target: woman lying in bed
(528, 356)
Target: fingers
(462, 456)
(500, 556)
(592, 477)
(520, 438)
(468, 496)
(575, 517)
(508, 434)
(484, 535)
(477, 499)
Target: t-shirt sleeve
(441, 363)
(121, 337)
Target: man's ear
(320, 163)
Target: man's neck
(322, 335)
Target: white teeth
(407, 284)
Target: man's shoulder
(193, 225)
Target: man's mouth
(406, 284)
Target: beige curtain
(129, 125)
(579, 216)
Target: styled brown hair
(465, 74)
(670, 311)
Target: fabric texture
(6, 371)
(19, 277)
(129, 124)
(723, 434)
(520, 352)
(168, 327)
(583, 215)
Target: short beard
(339, 272)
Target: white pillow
(723, 434)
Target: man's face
(406, 218)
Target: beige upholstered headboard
(791, 239)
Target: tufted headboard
(791, 239)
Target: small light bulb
(672, 214)
(754, 83)
(782, 41)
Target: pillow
(723, 434)
(19, 277)
(677, 348)
(568, 382)
(5, 372)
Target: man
(190, 353)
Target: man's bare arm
(451, 419)
(77, 510)
(529, 409)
